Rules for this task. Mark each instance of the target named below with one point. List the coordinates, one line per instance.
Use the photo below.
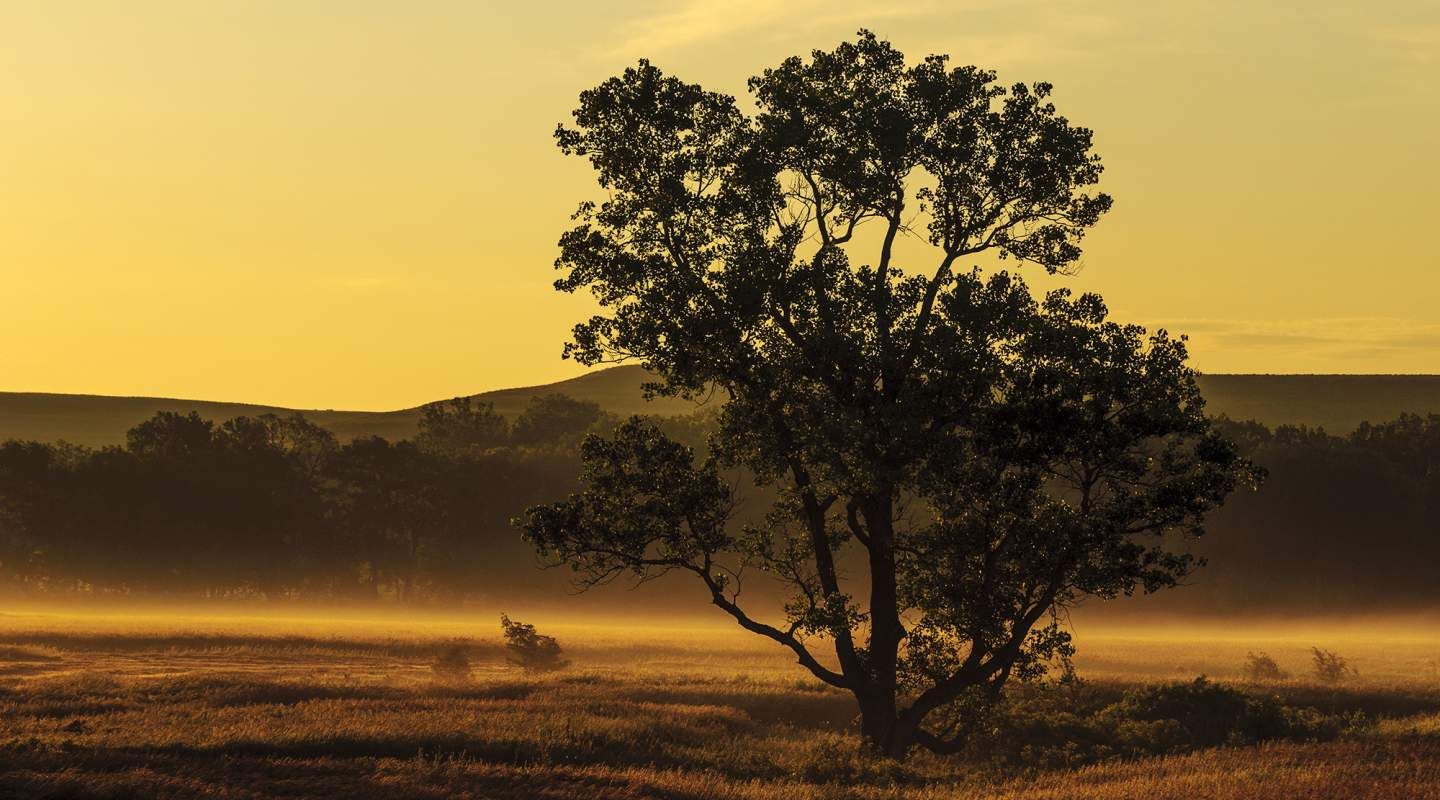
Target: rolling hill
(1336, 402)
(99, 420)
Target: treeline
(277, 507)
(1341, 523)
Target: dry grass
(114, 706)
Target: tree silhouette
(990, 457)
(558, 419)
(460, 427)
(530, 650)
(393, 506)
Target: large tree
(956, 461)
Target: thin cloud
(1007, 50)
(984, 32)
(1353, 341)
(698, 21)
(1417, 42)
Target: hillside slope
(1335, 402)
(99, 420)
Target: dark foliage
(1331, 667)
(1261, 667)
(461, 428)
(529, 650)
(1342, 523)
(284, 517)
(558, 420)
(276, 507)
(1048, 726)
(953, 460)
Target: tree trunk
(886, 630)
(884, 732)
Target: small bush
(1199, 713)
(1051, 727)
(1331, 667)
(1202, 713)
(528, 650)
(452, 664)
(1261, 667)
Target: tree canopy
(460, 427)
(990, 456)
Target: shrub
(1198, 713)
(1331, 667)
(451, 664)
(531, 651)
(1202, 713)
(1046, 728)
(1036, 734)
(1261, 667)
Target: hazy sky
(355, 203)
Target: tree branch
(803, 656)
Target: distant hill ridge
(1337, 403)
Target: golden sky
(355, 203)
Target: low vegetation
(1331, 667)
(452, 664)
(1261, 667)
(117, 711)
(530, 650)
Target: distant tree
(531, 651)
(1410, 441)
(460, 427)
(1343, 523)
(222, 509)
(390, 506)
(551, 419)
(992, 458)
(267, 506)
(302, 442)
(29, 490)
(171, 436)
(269, 483)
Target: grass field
(234, 706)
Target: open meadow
(161, 704)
